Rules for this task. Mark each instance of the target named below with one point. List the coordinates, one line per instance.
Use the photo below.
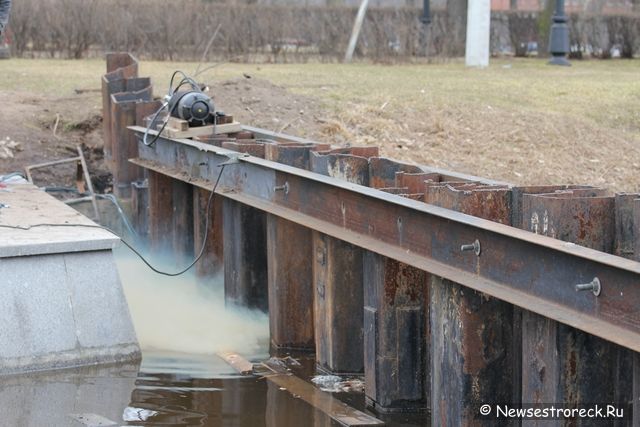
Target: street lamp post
(559, 36)
(425, 18)
(426, 13)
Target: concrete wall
(63, 310)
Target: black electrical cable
(172, 92)
(164, 273)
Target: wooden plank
(177, 124)
(237, 362)
(202, 130)
(321, 400)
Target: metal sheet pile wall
(417, 277)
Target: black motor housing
(193, 106)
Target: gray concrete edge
(58, 247)
(71, 359)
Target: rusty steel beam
(561, 363)
(395, 331)
(289, 251)
(160, 210)
(244, 235)
(124, 146)
(338, 274)
(338, 301)
(531, 271)
(474, 337)
(170, 215)
(120, 68)
(289, 247)
(140, 208)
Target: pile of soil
(42, 129)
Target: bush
(169, 30)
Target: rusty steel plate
(532, 271)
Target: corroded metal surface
(121, 67)
(382, 171)
(212, 261)
(429, 238)
(170, 216)
(561, 363)
(338, 275)
(472, 334)
(624, 216)
(297, 156)
(395, 331)
(245, 255)
(124, 146)
(140, 208)
(248, 146)
(289, 248)
(341, 166)
(338, 302)
(586, 221)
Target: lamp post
(559, 36)
(425, 19)
(426, 12)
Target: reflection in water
(170, 389)
(47, 399)
(181, 324)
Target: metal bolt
(475, 247)
(284, 188)
(593, 286)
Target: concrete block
(61, 301)
(63, 310)
(99, 305)
(35, 307)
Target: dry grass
(518, 121)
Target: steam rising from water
(186, 314)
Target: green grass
(607, 92)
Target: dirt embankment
(512, 146)
(37, 129)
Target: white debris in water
(137, 414)
(335, 384)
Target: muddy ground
(541, 147)
(36, 128)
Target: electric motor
(193, 106)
